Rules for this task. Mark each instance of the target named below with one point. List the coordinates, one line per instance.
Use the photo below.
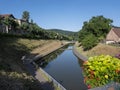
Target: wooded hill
(71, 34)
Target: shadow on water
(42, 62)
(80, 62)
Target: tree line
(30, 29)
(92, 32)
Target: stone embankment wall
(80, 56)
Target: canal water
(65, 67)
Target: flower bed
(118, 56)
(101, 70)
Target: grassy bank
(99, 49)
(13, 74)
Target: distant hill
(62, 31)
(71, 34)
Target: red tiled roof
(117, 31)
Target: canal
(65, 67)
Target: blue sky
(62, 14)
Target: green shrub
(89, 42)
(101, 70)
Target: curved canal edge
(65, 67)
(63, 43)
(80, 56)
(46, 80)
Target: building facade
(113, 36)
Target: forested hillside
(71, 34)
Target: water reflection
(65, 67)
(42, 62)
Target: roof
(117, 31)
(7, 15)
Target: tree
(89, 42)
(0, 20)
(31, 21)
(8, 23)
(25, 26)
(26, 16)
(98, 26)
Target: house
(113, 36)
(7, 15)
(20, 21)
(3, 27)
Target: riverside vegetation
(102, 67)
(14, 45)
(101, 70)
(13, 74)
(94, 31)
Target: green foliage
(28, 29)
(99, 26)
(10, 23)
(1, 20)
(26, 16)
(101, 70)
(89, 42)
(24, 26)
(67, 34)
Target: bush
(101, 70)
(89, 42)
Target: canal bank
(44, 50)
(45, 79)
(80, 56)
(65, 68)
(110, 86)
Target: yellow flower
(106, 76)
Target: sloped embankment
(100, 49)
(13, 73)
(46, 49)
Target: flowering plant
(101, 70)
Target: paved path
(38, 76)
(46, 85)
